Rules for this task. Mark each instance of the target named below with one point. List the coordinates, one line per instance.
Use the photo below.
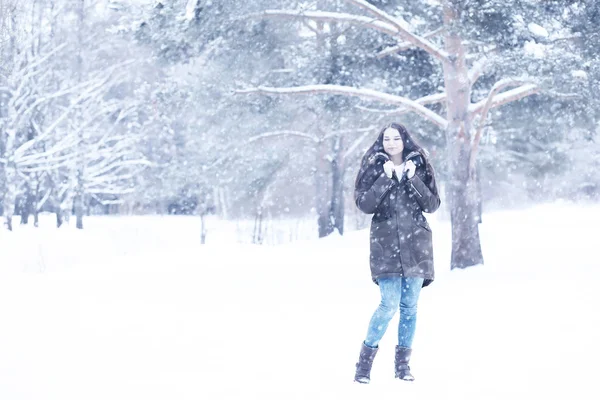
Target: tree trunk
(257, 237)
(79, 211)
(79, 200)
(37, 198)
(323, 188)
(66, 205)
(59, 217)
(329, 184)
(28, 204)
(337, 175)
(334, 105)
(10, 196)
(2, 178)
(464, 214)
(461, 188)
(220, 202)
(80, 191)
(330, 163)
(57, 206)
(202, 229)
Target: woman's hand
(410, 169)
(388, 168)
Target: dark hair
(376, 155)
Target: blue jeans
(396, 292)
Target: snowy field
(134, 308)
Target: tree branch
(358, 141)
(477, 70)
(325, 16)
(284, 133)
(406, 45)
(339, 132)
(386, 24)
(426, 100)
(494, 101)
(402, 27)
(350, 91)
(506, 97)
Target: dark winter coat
(401, 239)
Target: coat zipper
(413, 186)
(386, 192)
(398, 234)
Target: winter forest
(133, 132)
(262, 110)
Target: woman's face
(392, 142)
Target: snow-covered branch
(407, 45)
(29, 67)
(367, 132)
(302, 135)
(506, 97)
(351, 91)
(494, 100)
(403, 30)
(87, 89)
(339, 132)
(68, 142)
(326, 16)
(384, 23)
(426, 100)
(477, 69)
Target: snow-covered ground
(134, 308)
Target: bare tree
(67, 136)
(464, 120)
(331, 150)
(25, 94)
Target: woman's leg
(390, 299)
(411, 288)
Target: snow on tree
(465, 56)
(61, 137)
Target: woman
(396, 183)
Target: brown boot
(402, 368)
(365, 361)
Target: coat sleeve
(428, 200)
(368, 200)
